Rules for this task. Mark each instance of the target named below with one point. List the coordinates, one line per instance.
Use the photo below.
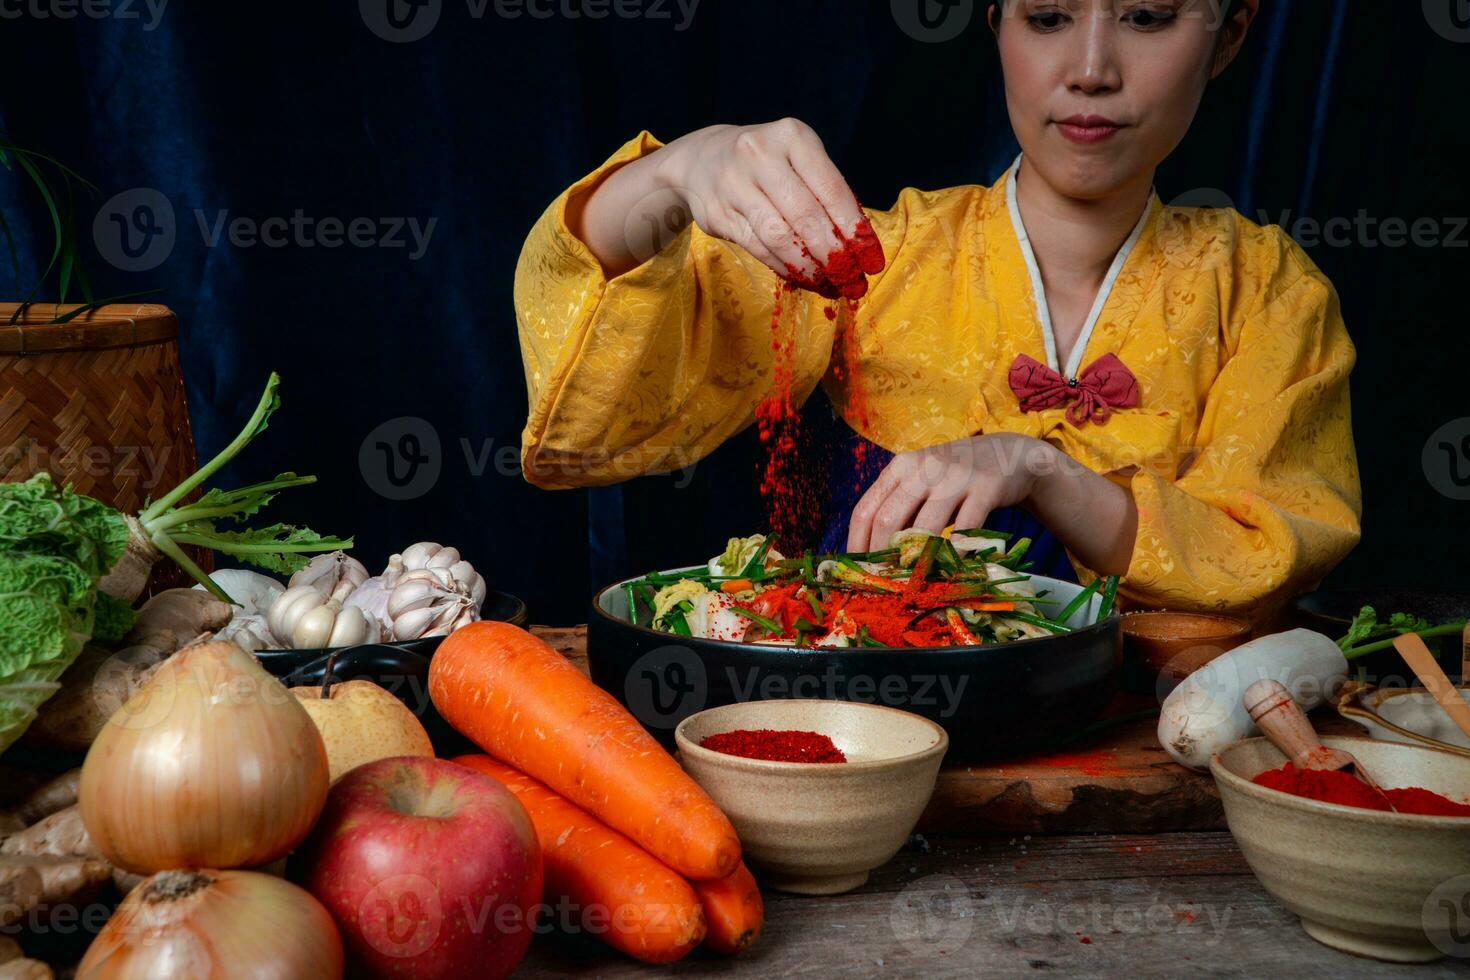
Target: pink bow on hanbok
(1103, 385)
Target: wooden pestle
(1272, 707)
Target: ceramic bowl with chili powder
(1390, 886)
(818, 828)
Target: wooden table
(1001, 883)
(954, 906)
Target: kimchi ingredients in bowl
(959, 588)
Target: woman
(1164, 389)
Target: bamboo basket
(98, 403)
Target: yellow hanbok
(1239, 453)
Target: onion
(221, 924)
(213, 764)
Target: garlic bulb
(253, 591)
(303, 618)
(429, 602)
(434, 557)
(334, 575)
(372, 598)
(249, 630)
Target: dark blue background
(264, 109)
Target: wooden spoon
(1411, 647)
(1282, 720)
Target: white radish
(1204, 713)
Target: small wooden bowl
(819, 828)
(1162, 648)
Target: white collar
(1038, 289)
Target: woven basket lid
(120, 325)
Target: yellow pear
(361, 722)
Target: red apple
(430, 869)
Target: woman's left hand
(961, 482)
(957, 483)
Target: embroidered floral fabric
(1238, 450)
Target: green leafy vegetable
(1367, 635)
(57, 547)
(47, 606)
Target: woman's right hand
(770, 188)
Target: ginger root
(55, 794)
(27, 881)
(183, 612)
(60, 835)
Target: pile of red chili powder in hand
(1348, 790)
(775, 746)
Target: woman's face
(1101, 91)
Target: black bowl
(990, 699)
(400, 666)
(1332, 611)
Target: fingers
(810, 162)
(802, 211)
(770, 228)
(860, 527)
(972, 513)
(935, 514)
(895, 513)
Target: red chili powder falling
(1346, 789)
(788, 488)
(793, 493)
(775, 746)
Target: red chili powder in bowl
(1347, 790)
(775, 746)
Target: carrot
(524, 704)
(736, 585)
(734, 911)
(623, 894)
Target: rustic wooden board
(1119, 781)
(1091, 906)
